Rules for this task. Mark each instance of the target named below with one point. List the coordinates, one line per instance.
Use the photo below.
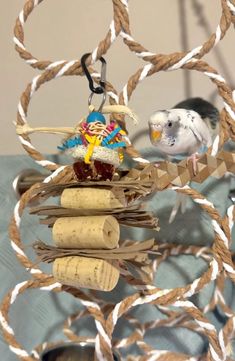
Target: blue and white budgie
(184, 130)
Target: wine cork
(92, 198)
(86, 232)
(94, 273)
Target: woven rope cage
(174, 303)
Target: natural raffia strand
(137, 184)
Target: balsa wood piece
(93, 232)
(93, 273)
(92, 198)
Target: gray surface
(37, 316)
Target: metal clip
(100, 89)
(102, 102)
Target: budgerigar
(178, 131)
(184, 130)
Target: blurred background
(58, 30)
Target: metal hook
(101, 88)
(102, 103)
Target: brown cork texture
(92, 198)
(93, 273)
(86, 232)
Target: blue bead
(96, 117)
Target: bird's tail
(180, 203)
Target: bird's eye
(169, 124)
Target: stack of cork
(88, 232)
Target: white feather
(200, 129)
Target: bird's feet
(194, 158)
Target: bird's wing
(197, 125)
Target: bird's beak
(156, 135)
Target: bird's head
(163, 123)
